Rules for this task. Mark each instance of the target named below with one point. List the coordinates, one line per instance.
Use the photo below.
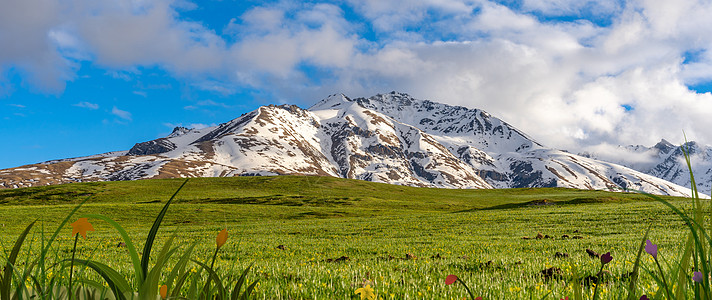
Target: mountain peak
(664, 146)
(334, 101)
(178, 131)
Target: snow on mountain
(667, 161)
(390, 138)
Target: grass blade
(154, 230)
(10, 265)
(116, 282)
(634, 277)
(212, 276)
(240, 282)
(252, 286)
(149, 288)
(179, 267)
(129, 245)
(175, 291)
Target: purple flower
(697, 276)
(644, 297)
(651, 248)
(606, 258)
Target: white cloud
(140, 93)
(200, 125)
(562, 82)
(212, 103)
(121, 113)
(88, 105)
(567, 7)
(273, 45)
(24, 39)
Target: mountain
(667, 161)
(390, 138)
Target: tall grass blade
(149, 288)
(154, 230)
(682, 278)
(116, 282)
(686, 154)
(10, 265)
(46, 247)
(212, 276)
(179, 268)
(240, 282)
(578, 295)
(175, 291)
(634, 277)
(61, 225)
(127, 240)
(252, 286)
(21, 286)
(193, 289)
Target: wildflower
(222, 238)
(81, 226)
(697, 277)
(644, 297)
(651, 248)
(450, 279)
(606, 258)
(565, 298)
(366, 293)
(164, 291)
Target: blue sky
(84, 77)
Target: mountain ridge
(666, 161)
(391, 138)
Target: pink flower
(450, 279)
(651, 248)
(606, 258)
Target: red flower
(450, 279)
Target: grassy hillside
(299, 191)
(403, 241)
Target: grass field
(402, 241)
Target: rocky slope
(389, 138)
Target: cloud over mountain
(573, 73)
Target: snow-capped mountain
(390, 138)
(667, 161)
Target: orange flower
(81, 226)
(222, 238)
(164, 291)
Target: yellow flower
(366, 293)
(81, 226)
(222, 238)
(164, 291)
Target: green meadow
(323, 238)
